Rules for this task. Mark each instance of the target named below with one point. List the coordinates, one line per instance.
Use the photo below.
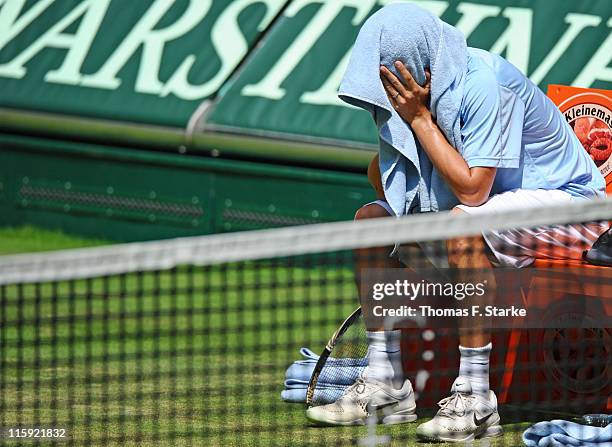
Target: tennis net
(188, 341)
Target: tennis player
(521, 157)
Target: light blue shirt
(507, 122)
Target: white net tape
(263, 244)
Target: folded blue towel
(560, 433)
(420, 40)
(331, 372)
(336, 376)
(302, 369)
(325, 393)
(322, 396)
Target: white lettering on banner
(70, 70)
(598, 67)
(231, 46)
(436, 7)
(473, 15)
(577, 22)
(515, 41)
(327, 94)
(10, 26)
(77, 44)
(270, 86)
(152, 41)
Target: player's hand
(408, 98)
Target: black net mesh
(199, 355)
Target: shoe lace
(457, 404)
(358, 387)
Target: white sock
(385, 357)
(475, 366)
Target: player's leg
(471, 409)
(384, 356)
(516, 248)
(383, 390)
(469, 260)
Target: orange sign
(589, 112)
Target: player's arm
(471, 186)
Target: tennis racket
(340, 363)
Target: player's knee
(371, 211)
(456, 211)
(458, 247)
(374, 178)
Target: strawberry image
(601, 149)
(582, 128)
(596, 137)
(598, 131)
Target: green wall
(126, 194)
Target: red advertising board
(589, 112)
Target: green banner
(288, 89)
(146, 61)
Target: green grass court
(200, 352)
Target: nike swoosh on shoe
(481, 421)
(376, 407)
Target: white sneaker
(463, 416)
(364, 398)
